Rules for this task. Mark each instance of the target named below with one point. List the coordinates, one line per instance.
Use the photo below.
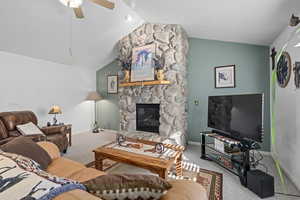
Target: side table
(67, 128)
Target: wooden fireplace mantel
(142, 83)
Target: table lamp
(55, 110)
(94, 96)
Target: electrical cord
(264, 166)
(254, 161)
(290, 195)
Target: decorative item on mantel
(159, 65)
(126, 67)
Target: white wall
(287, 109)
(32, 84)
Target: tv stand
(234, 157)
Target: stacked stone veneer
(172, 44)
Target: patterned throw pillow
(127, 186)
(26, 147)
(23, 162)
(29, 129)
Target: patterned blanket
(21, 178)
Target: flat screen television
(238, 116)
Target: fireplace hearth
(147, 117)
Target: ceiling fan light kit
(72, 3)
(76, 5)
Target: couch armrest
(185, 190)
(35, 138)
(53, 130)
(51, 149)
(6, 140)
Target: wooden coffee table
(160, 166)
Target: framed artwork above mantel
(142, 68)
(225, 76)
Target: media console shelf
(232, 158)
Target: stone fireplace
(147, 117)
(171, 44)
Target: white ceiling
(42, 28)
(245, 21)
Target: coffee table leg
(163, 173)
(99, 162)
(179, 165)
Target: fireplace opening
(147, 117)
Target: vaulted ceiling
(47, 30)
(245, 21)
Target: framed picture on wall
(112, 84)
(297, 75)
(284, 69)
(142, 68)
(225, 76)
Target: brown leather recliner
(10, 120)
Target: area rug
(212, 181)
(107, 164)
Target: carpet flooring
(84, 143)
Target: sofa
(63, 167)
(10, 120)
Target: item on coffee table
(159, 148)
(120, 139)
(152, 150)
(135, 145)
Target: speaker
(260, 183)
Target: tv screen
(240, 116)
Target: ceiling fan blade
(104, 3)
(78, 12)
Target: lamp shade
(55, 110)
(93, 96)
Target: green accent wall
(252, 76)
(108, 115)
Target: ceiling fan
(76, 5)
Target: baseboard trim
(82, 132)
(285, 172)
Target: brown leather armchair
(10, 120)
